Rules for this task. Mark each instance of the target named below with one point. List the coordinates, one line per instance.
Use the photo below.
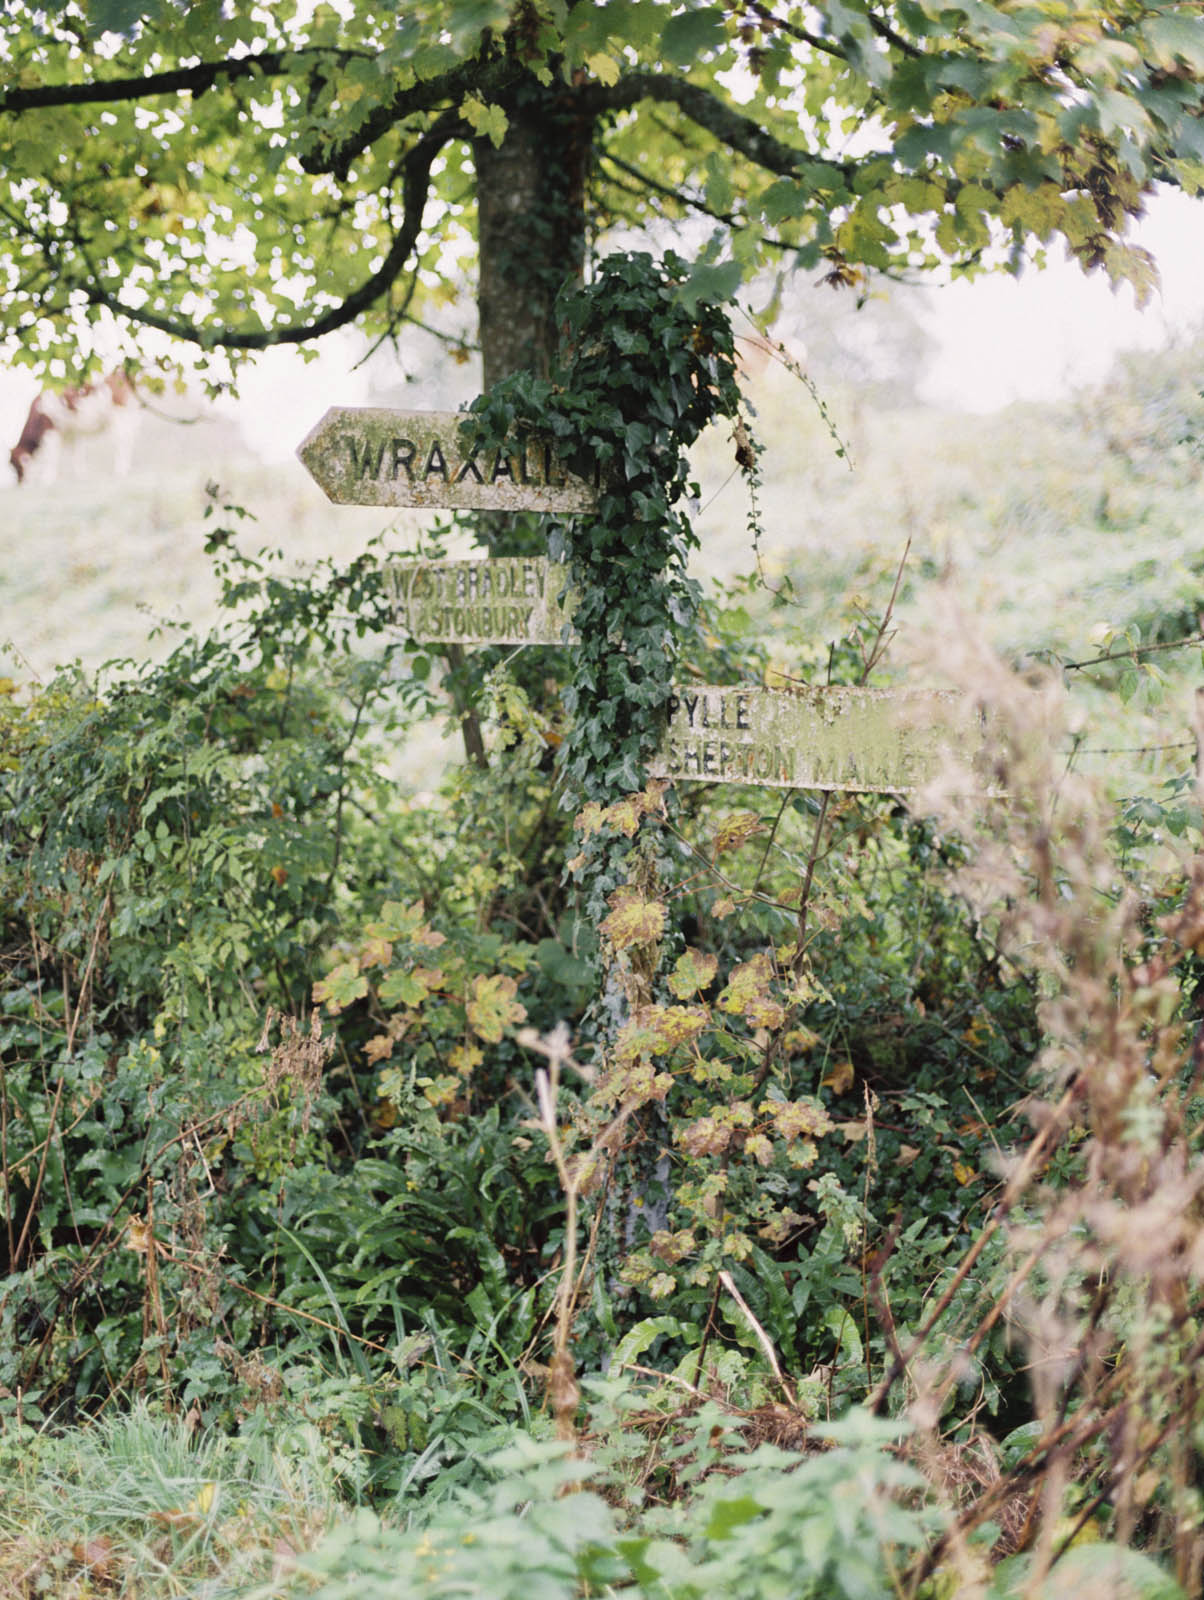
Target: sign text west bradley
(369, 456)
(505, 600)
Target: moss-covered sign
(362, 456)
(507, 600)
(862, 740)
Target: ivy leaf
(633, 919)
(493, 1007)
(693, 972)
(340, 987)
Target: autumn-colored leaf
(624, 815)
(793, 1117)
(589, 819)
(279, 876)
(376, 952)
(428, 938)
(493, 1007)
(379, 1048)
(633, 919)
(736, 830)
(723, 908)
(747, 982)
(464, 1059)
(692, 972)
(340, 987)
(838, 1077)
(655, 1030)
(759, 1147)
(762, 1012)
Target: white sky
(996, 340)
(1002, 339)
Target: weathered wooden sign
(506, 600)
(363, 456)
(874, 741)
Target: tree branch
(416, 179)
(487, 79)
(740, 133)
(195, 79)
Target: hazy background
(1032, 440)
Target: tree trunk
(531, 241)
(531, 228)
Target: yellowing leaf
(589, 819)
(838, 1077)
(484, 119)
(743, 825)
(340, 987)
(378, 1048)
(376, 952)
(748, 982)
(692, 972)
(493, 1007)
(464, 1059)
(759, 1147)
(633, 919)
(963, 1173)
(625, 814)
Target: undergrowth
(568, 1185)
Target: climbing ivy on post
(646, 364)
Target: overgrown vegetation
(658, 1194)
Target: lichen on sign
(503, 600)
(367, 456)
(874, 741)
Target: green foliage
(222, 167)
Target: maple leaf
(340, 987)
(747, 983)
(736, 830)
(625, 814)
(493, 1007)
(761, 1012)
(693, 971)
(798, 1116)
(759, 1147)
(377, 952)
(633, 920)
(402, 988)
(464, 1059)
(397, 921)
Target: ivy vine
(646, 364)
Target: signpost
(506, 600)
(363, 456)
(856, 740)
(874, 741)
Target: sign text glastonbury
(506, 600)
(808, 737)
(364, 456)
